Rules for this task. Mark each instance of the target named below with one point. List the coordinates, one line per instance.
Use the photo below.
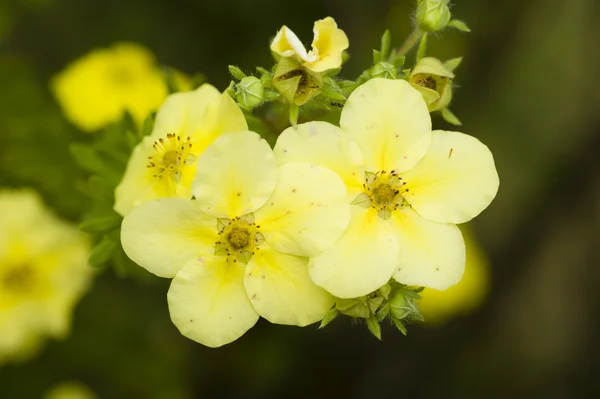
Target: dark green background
(528, 89)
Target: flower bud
(434, 81)
(399, 307)
(249, 92)
(433, 15)
(383, 70)
(355, 307)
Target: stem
(409, 43)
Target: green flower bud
(433, 15)
(434, 81)
(383, 70)
(295, 82)
(249, 92)
(399, 306)
(355, 307)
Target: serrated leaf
(453, 63)
(460, 25)
(102, 252)
(422, 47)
(385, 44)
(374, 327)
(400, 326)
(101, 224)
(329, 317)
(450, 117)
(236, 72)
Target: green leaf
(399, 62)
(98, 188)
(377, 56)
(382, 312)
(460, 25)
(101, 224)
(86, 157)
(329, 316)
(453, 63)
(450, 117)
(374, 327)
(148, 125)
(271, 95)
(422, 47)
(236, 72)
(294, 110)
(400, 326)
(385, 44)
(102, 252)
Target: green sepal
(400, 326)
(236, 72)
(460, 25)
(354, 307)
(385, 44)
(450, 117)
(399, 62)
(382, 312)
(377, 56)
(293, 114)
(102, 252)
(374, 327)
(329, 317)
(452, 63)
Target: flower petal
(431, 254)
(287, 44)
(235, 175)
(324, 144)
(281, 290)
(208, 303)
(390, 122)
(362, 261)
(455, 181)
(328, 45)
(165, 234)
(308, 211)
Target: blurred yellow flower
(328, 46)
(70, 390)
(98, 88)
(239, 250)
(410, 187)
(164, 163)
(43, 273)
(466, 296)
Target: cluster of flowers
(330, 215)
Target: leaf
(86, 157)
(460, 25)
(376, 56)
(148, 125)
(400, 326)
(101, 224)
(102, 252)
(453, 63)
(294, 110)
(329, 317)
(422, 47)
(450, 117)
(374, 327)
(399, 62)
(385, 44)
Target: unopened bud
(399, 307)
(249, 93)
(434, 81)
(433, 15)
(383, 70)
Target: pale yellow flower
(43, 273)
(164, 163)
(409, 187)
(466, 296)
(240, 248)
(98, 88)
(328, 46)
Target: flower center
(239, 238)
(170, 156)
(383, 191)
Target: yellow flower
(98, 88)
(439, 306)
(43, 273)
(240, 248)
(327, 47)
(164, 163)
(409, 187)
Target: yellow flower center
(239, 238)
(383, 191)
(170, 156)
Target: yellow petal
(328, 45)
(324, 144)
(362, 261)
(455, 181)
(431, 254)
(308, 211)
(208, 303)
(163, 235)
(281, 291)
(390, 122)
(235, 175)
(287, 44)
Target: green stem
(409, 43)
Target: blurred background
(527, 88)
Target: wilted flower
(409, 186)
(240, 248)
(43, 273)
